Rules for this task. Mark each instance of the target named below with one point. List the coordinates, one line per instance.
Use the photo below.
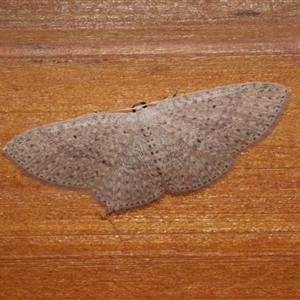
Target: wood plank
(238, 238)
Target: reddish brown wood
(239, 238)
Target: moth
(129, 159)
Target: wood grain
(238, 238)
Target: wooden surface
(238, 238)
